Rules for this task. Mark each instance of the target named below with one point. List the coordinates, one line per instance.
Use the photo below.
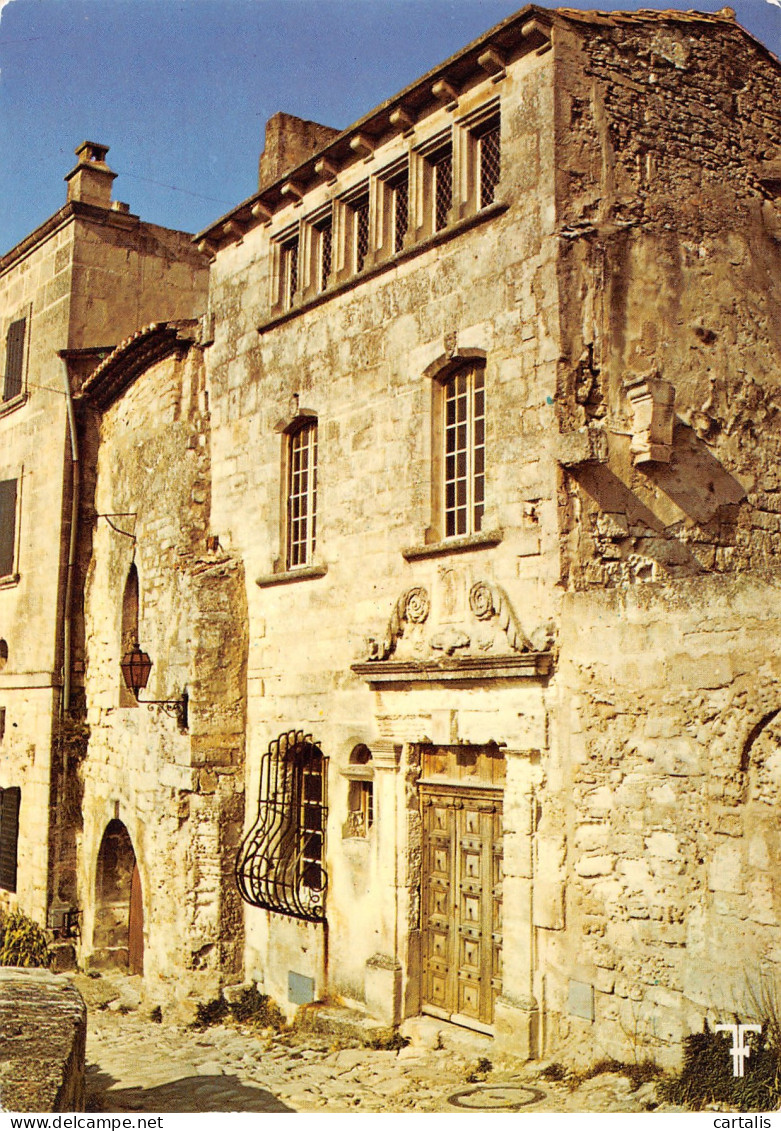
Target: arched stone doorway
(119, 910)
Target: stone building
(457, 518)
(82, 281)
(494, 391)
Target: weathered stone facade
(456, 515)
(81, 282)
(617, 294)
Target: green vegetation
(22, 941)
(250, 1008)
(707, 1073)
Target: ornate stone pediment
(488, 634)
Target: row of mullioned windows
(375, 221)
(459, 488)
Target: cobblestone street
(135, 1064)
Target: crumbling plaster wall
(180, 794)
(358, 361)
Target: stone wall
(43, 1034)
(359, 360)
(667, 133)
(178, 792)
(36, 287)
(657, 837)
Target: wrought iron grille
(490, 164)
(280, 864)
(443, 188)
(361, 232)
(400, 212)
(289, 272)
(326, 245)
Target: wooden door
(461, 904)
(135, 926)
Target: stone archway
(118, 941)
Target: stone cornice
(526, 665)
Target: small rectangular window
(302, 496)
(490, 163)
(361, 231)
(324, 253)
(14, 359)
(10, 800)
(7, 526)
(289, 265)
(442, 163)
(400, 190)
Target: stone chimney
(289, 141)
(90, 182)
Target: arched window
(360, 793)
(129, 635)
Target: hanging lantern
(136, 667)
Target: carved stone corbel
(653, 406)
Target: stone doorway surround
(461, 883)
(118, 936)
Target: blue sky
(181, 89)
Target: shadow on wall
(703, 491)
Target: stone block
(43, 1032)
(725, 873)
(383, 988)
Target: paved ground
(135, 1064)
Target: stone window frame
(15, 477)
(320, 230)
(282, 572)
(470, 131)
(22, 313)
(286, 263)
(427, 157)
(351, 206)
(436, 539)
(388, 183)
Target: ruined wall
(656, 893)
(179, 793)
(43, 1030)
(358, 360)
(666, 131)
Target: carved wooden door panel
(461, 904)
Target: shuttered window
(14, 359)
(7, 526)
(9, 835)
